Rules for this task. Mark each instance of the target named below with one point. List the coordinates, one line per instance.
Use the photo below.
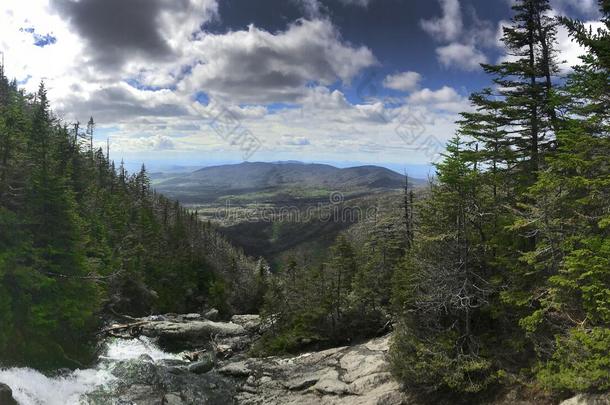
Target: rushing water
(30, 387)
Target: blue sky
(199, 82)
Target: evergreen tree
(442, 342)
(570, 218)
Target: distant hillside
(232, 196)
(276, 181)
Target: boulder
(192, 317)
(237, 369)
(331, 384)
(212, 314)
(251, 323)
(6, 395)
(591, 399)
(205, 364)
(172, 399)
(189, 331)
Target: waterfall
(30, 387)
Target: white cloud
(295, 140)
(589, 8)
(405, 81)
(144, 143)
(258, 66)
(445, 98)
(570, 50)
(466, 57)
(147, 105)
(463, 43)
(449, 26)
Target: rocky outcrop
(217, 370)
(193, 330)
(591, 399)
(6, 395)
(185, 331)
(355, 375)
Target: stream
(133, 371)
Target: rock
(228, 346)
(156, 318)
(190, 331)
(172, 399)
(303, 382)
(363, 385)
(238, 369)
(358, 364)
(330, 384)
(6, 395)
(251, 323)
(591, 399)
(191, 317)
(145, 358)
(212, 314)
(351, 375)
(205, 364)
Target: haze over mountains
(278, 180)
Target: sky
(174, 83)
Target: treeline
(502, 274)
(80, 239)
(346, 297)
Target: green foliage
(581, 362)
(428, 367)
(80, 239)
(444, 291)
(347, 297)
(520, 213)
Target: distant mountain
(278, 180)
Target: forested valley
(495, 275)
(82, 239)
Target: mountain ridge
(212, 182)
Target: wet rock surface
(216, 369)
(6, 395)
(144, 381)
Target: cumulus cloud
(405, 81)
(570, 50)
(467, 57)
(117, 31)
(256, 66)
(589, 8)
(462, 44)
(143, 93)
(449, 26)
(295, 141)
(445, 98)
(144, 143)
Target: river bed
(30, 387)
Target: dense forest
(498, 274)
(81, 239)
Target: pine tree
(441, 344)
(525, 87)
(571, 219)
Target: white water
(30, 387)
